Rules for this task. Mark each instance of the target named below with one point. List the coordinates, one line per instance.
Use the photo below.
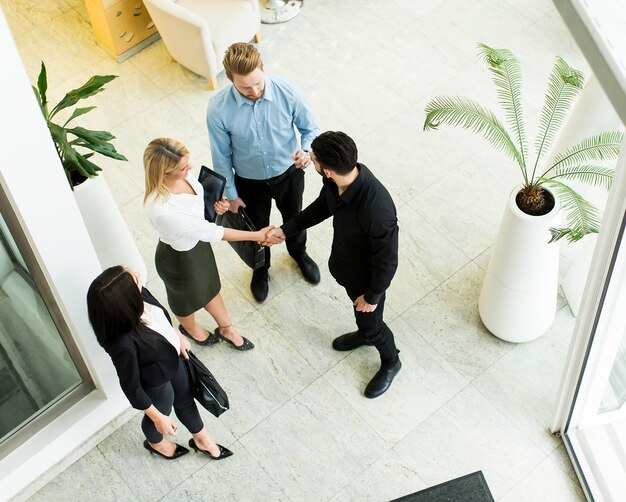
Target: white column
(32, 177)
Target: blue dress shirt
(257, 139)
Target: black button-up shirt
(364, 255)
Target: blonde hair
(241, 58)
(161, 157)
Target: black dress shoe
(382, 379)
(224, 452)
(178, 452)
(210, 340)
(349, 341)
(259, 284)
(310, 270)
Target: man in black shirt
(364, 255)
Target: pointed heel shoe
(210, 340)
(224, 452)
(178, 452)
(246, 345)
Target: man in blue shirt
(255, 146)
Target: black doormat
(469, 488)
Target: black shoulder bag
(205, 388)
(252, 253)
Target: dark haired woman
(136, 331)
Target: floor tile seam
(505, 415)
(262, 467)
(276, 410)
(502, 411)
(432, 290)
(529, 473)
(114, 469)
(149, 77)
(436, 410)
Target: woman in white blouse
(174, 204)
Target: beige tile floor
(299, 425)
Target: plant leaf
(96, 141)
(507, 77)
(466, 113)
(67, 154)
(564, 84)
(88, 167)
(582, 217)
(90, 135)
(599, 176)
(78, 112)
(42, 87)
(603, 146)
(93, 86)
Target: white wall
(32, 176)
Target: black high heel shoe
(224, 452)
(178, 452)
(246, 345)
(210, 340)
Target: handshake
(271, 235)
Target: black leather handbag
(205, 388)
(250, 252)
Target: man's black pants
(287, 191)
(374, 330)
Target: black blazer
(144, 362)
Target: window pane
(36, 370)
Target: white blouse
(154, 318)
(179, 219)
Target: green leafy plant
(579, 162)
(76, 145)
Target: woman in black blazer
(136, 331)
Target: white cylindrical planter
(518, 298)
(107, 229)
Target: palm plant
(578, 162)
(75, 161)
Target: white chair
(197, 32)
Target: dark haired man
(364, 255)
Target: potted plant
(68, 140)
(76, 146)
(518, 297)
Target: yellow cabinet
(122, 27)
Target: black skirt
(191, 278)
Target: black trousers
(176, 392)
(287, 192)
(374, 330)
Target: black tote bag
(205, 388)
(250, 252)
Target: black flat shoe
(224, 452)
(210, 340)
(246, 345)
(178, 452)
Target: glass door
(596, 430)
(41, 372)
(591, 415)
